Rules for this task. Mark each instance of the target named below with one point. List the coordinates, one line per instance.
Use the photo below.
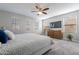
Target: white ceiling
(26, 8)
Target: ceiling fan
(40, 10)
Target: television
(57, 24)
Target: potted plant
(70, 36)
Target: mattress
(25, 44)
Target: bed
(26, 44)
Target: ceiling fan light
(40, 13)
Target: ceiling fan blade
(44, 12)
(37, 7)
(34, 11)
(45, 9)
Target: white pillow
(10, 34)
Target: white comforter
(25, 44)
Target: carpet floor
(61, 47)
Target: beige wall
(47, 23)
(69, 18)
(18, 23)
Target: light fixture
(39, 13)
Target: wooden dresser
(55, 34)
